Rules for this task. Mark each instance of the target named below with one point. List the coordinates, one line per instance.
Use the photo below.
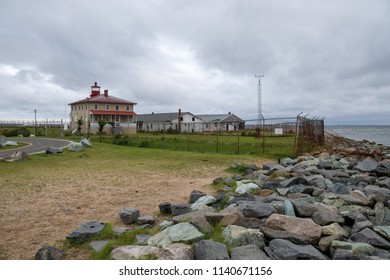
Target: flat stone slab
(285, 250)
(99, 244)
(248, 252)
(133, 252)
(86, 231)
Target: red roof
(101, 98)
(112, 112)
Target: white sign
(278, 131)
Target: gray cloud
(325, 58)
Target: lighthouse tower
(95, 90)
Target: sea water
(377, 133)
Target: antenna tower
(259, 98)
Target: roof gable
(101, 98)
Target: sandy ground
(46, 215)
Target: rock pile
(323, 206)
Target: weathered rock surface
(239, 236)
(211, 250)
(280, 249)
(179, 233)
(86, 231)
(175, 251)
(49, 253)
(248, 252)
(75, 147)
(295, 225)
(129, 215)
(133, 252)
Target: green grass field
(269, 147)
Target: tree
(79, 125)
(101, 123)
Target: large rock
(49, 253)
(326, 214)
(270, 234)
(86, 231)
(357, 199)
(355, 247)
(239, 236)
(334, 229)
(75, 147)
(203, 201)
(243, 187)
(343, 254)
(53, 150)
(179, 209)
(134, 252)
(11, 143)
(195, 195)
(86, 143)
(175, 251)
(369, 236)
(384, 231)
(129, 215)
(179, 233)
(17, 156)
(211, 250)
(367, 165)
(303, 208)
(296, 225)
(253, 209)
(280, 249)
(248, 252)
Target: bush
(16, 132)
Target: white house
(188, 122)
(177, 121)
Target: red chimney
(106, 92)
(95, 90)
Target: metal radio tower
(259, 99)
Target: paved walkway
(37, 145)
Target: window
(96, 106)
(107, 107)
(127, 108)
(95, 118)
(193, 119)
(117, 107)
(107, 118)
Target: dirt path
(48, 213)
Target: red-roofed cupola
(95, 90)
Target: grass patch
(126, 238)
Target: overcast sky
(324, 58)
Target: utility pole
(259, 99)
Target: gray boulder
(280, 249)
(179, 233)
(129, 215)
(49, 253)
(384, 231)
(11, 143)
(86, 231)
(98, 245)
(239, 236)
(142, 220)
(270, 234)
(175, 251)
(367, 165)
(86, 143)
(326, 214)
(17, 156)
(53, 150)
(248, 252)
(203, 201)
(211, 250)
(75, 147)
(179, 209)
(195, 195)
(370, 237)
(243, 187)
(343, 254)
(253, 209)
(134, 252)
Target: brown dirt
(46, 215)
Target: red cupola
(95, 90)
